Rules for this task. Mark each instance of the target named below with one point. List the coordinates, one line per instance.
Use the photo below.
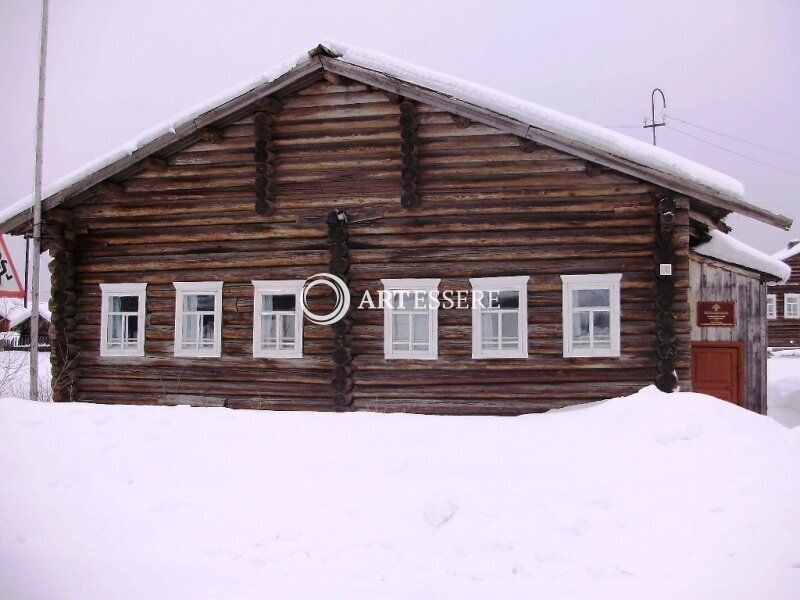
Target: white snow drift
(648, 496)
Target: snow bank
(15, 378)
(649, 496)
(728, 249)
(783, 389)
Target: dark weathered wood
(64, 352)
(711, 280)
(553, 140)
(342, 383)
(667, 350)
(410, 172)
(489, 209)
(265, 204)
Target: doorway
(718, 370)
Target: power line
(732, 137)
(739, 154)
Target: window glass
(400, 330)
(590, 298)
(277, 319)
(591, 314)
(123, 309)
(279, 302)
(510, 329)
(409, 319)
(420, 332)
(507, 299)
(499, 317)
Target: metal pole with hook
(653, 123)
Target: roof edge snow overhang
(728, 249)
(554, 140)
(311, 69)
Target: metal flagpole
(37, 211)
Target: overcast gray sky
(115, 68)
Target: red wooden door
(718, 370)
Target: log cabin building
(179, 264)
(783, 302)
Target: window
(791, 306)
(591, 314)
(122, 319)
(500, 317)
(772, 306)
(278, 319)
(410, 318)
(198, 318)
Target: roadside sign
(10, 284)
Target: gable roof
(16, 312)
(479, 103)
(788, 252)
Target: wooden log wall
(710, 281)
(666, 379)
(489, 204)
(59, 238)
(783, 332)
(342, 380)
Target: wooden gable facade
(431, 189)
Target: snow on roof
(788, 252)
(529, 113)
(728, 249)
(16, 312)
(165, 127)
(545, 118)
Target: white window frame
(772, 306)
(204, 288)
(113, 290)
(604, 281)
(410, 285)
(292, 287)
(500, 284)
(791, 299)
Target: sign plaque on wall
(716, 314)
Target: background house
(783, 302)
(15, 319)
(178, 262)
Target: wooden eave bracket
(109, 190)
(211, 135)
(155, 163)
(461, 122)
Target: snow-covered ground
(15, 374)
(648, 496)
(783, 391)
